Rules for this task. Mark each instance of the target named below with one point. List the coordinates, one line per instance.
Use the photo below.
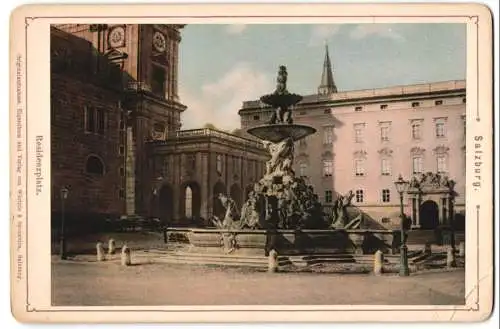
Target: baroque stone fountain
(282, 212)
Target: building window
(188, 202)
(327, 168)
(89, 119)
(122, 171)
(386, 195)
(328, 196)
(441, 164)
(386, 167)
(358, 108)
(94, 166)
(121, 150)
(359, 167)
(122, 124)
(121, 193)
(383, 106)
(384, 134)
(438, 102)
(359, 196)
(218, 163)
(327, 111)
(158, 80)
(415, 104)
(328, 135)
(101, 121)
(358, 133)
(440, 130)
(416, 130)
(417, 163)
(303, 170)
(256, 117)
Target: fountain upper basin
(277, 132)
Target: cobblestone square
(106, 284)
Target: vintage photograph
(190, 161)
(251, 163)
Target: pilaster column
(450, 210)
(204, 209)
(413, 210)
(419, 201)
(442, 211)
(176, 178)
(130, 174)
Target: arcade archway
(166, 204)
(218, 209)
(190, 200)
(429, 215)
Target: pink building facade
(365, 139)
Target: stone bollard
(272, 265)
(461, 249)
(126, 259)
(100, 252)
(450, 258)
(428, 249)
(378, 263)
(111, 247)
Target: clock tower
(148, 55)
(139, 64)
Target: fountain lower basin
(290, 242)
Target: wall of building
(186, 162)
(90, 194)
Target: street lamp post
(401, 186)
(64, 196)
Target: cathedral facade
(116, 137)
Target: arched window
(94, 166)
(188, 202)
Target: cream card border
(29, 108)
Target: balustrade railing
(207, 132)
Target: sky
(221, 66)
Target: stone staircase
(421, 237)
(337, 262)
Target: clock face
(159, 42)
(116, 37)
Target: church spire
(327, 85)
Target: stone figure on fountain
(339, 210)
(281, 157)
(231, 217)
(282, 113)
(250, 212)
(286, 201)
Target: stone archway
(429, 215)
(190, 201)
(166, 204)
(217, 208)
(431, 196)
